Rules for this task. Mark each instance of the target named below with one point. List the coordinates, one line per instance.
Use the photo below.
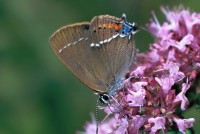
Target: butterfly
(98, 53)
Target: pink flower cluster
(158, 85)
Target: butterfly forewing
(116, 54)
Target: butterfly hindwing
(79, 57)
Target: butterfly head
(104, 98)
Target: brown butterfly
(98, 52)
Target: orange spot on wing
(117, 27)
(110, 25)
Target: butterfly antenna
(96, 116)
(143, 28)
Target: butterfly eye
(104, 98)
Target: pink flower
(123, 125)
(104, 128)
(182, 45)
(166, 83)
(183, 124)
(159, 123)
(163, 76)
(136, 94)
(181, 96)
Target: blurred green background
(38, 94)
